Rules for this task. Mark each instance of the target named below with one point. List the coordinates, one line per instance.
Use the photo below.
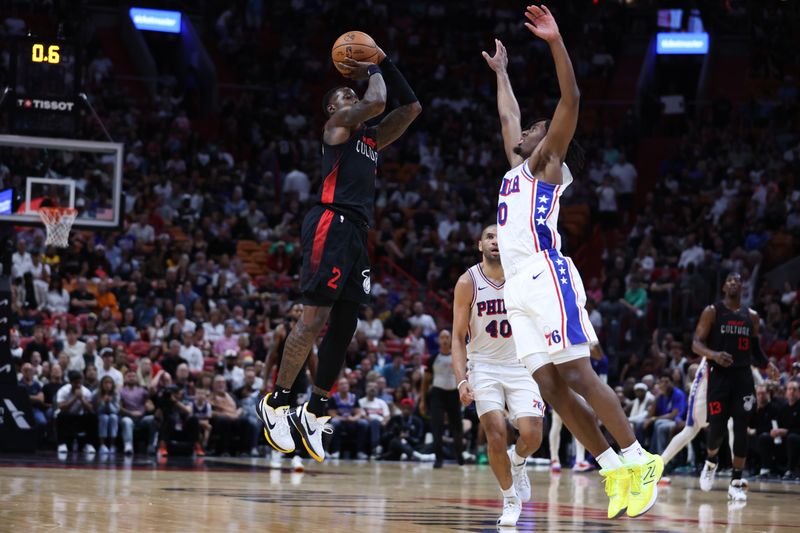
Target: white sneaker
(423, 457)
(88, 449)
(519, 475)
(128, 450)
(297, 464)
(103, 449)
(311, 429)
(764, 472)
(362, 455)
(555, 466)
(737, 491)
(512, 508)
(63, 449)
(583, 466)
(335, 455)
(707, 476)
(275, 460)
(276, 425)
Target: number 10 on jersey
(504, 329)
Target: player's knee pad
(739, 436)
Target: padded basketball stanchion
(16, 417)
(58, 221)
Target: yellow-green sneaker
(617, 484)
(644, 484)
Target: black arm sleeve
(758, 356)
(397, 87)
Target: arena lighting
(682, 43)
(156, 20)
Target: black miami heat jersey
(731, 333)
(349, 169)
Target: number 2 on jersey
(336, 275)
(504, 329)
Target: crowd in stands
(158, 335)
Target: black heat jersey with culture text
(731, 333)
(349, 170)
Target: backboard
(42, 171)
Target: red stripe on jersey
(329, 185)
(319, 239)
(533, 214)
(560, 301)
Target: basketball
(356, 45)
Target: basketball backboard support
(86, 175)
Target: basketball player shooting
(727, 338)
(482, 342)
(544, 293)
(335, 276)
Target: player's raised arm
(408, 107)
(371, 105)
(507, 106)
(565, 119)
(462, 302)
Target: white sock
(609, 460)
(516, 459)
(634, 454)
(509, 492)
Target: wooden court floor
(228, 495)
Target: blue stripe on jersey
(541, 207)
(574, 332)
(692, 395)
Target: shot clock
(45, 78)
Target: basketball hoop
(58, 221)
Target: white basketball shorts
(498, 387)
(545, 301)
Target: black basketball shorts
(731, 392)
(335, 259)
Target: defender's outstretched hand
(499, 61)
(542, 24)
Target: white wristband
(461, 383)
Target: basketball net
(58, 221)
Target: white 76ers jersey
(490, 338)
(527, 215)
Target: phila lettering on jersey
(527, 215)
(490, 336)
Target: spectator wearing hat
(640, 409)
(233, 372)
(75, 415)
(107, 368)
(405, 433)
